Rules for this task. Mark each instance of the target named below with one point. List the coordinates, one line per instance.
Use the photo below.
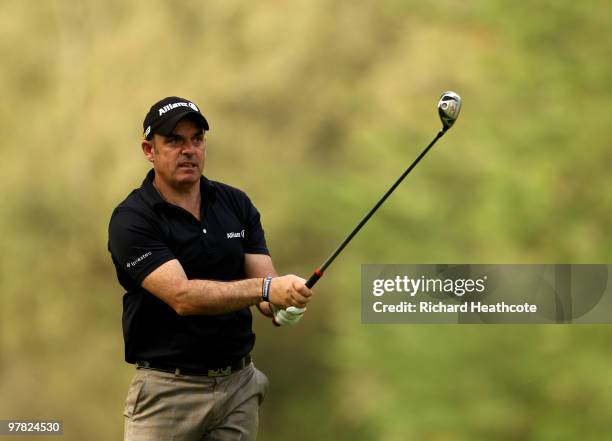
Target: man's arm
(207, 297)
(260, 265)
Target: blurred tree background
(316, 106)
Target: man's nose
(188, 147)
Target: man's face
(178, 159)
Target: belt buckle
(221, 372)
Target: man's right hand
(290, 290)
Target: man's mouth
(187, 165)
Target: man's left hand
(287, 317)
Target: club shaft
(319, 271)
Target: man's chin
(188, 176)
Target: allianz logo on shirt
(233, 235)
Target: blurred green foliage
(315, 107)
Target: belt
(222, 371)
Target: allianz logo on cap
(171, 106)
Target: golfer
(192, 257)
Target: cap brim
(168, 126)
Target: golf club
(448, 109)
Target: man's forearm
(207, 297)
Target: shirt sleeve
(254, 237)
(136, 245)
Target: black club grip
(314, 278)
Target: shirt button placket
(204, 235)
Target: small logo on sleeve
(138, 259)
(238, 235)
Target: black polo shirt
(144, 232)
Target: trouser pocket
(134, 393)
(263, 384)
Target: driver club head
(448, 109)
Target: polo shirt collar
(153, 198)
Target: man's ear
(147, 149)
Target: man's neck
(188, 197)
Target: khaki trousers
(164, 406)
